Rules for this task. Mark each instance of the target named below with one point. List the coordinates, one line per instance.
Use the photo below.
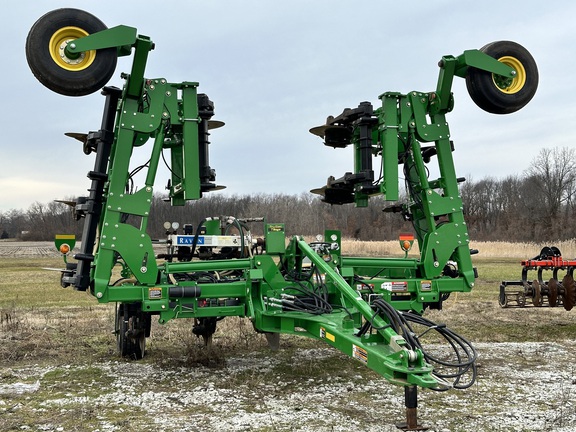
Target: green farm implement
(368, 308)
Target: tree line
(537, 205)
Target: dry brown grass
(486, 249)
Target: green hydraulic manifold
(367, 308)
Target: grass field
(60, 371)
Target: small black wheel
(500, 95)
(45, 53)
(131, 331)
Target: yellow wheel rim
(514, 85)
(57, 47)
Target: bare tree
(554, 175)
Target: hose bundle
(459, 370)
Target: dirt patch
(27, 249)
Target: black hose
(464, 362)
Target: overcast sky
(277, 68)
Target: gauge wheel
(131, 330)
(569, 297)
(68, 75)
(501, 95)
(552, 292)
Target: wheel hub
(66, 58)
(62, 57)
(511, 85)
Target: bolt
(99, 295)
(72, 46)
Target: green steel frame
(168, 115)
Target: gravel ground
(248, 395)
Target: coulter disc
(536, 294)
(552, 292)
(569, 292)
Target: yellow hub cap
(514, 85)
(57, 47)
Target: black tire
(52, 68)
(482, 85)
(131, 331)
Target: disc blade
(215, 124)
(82, 137)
